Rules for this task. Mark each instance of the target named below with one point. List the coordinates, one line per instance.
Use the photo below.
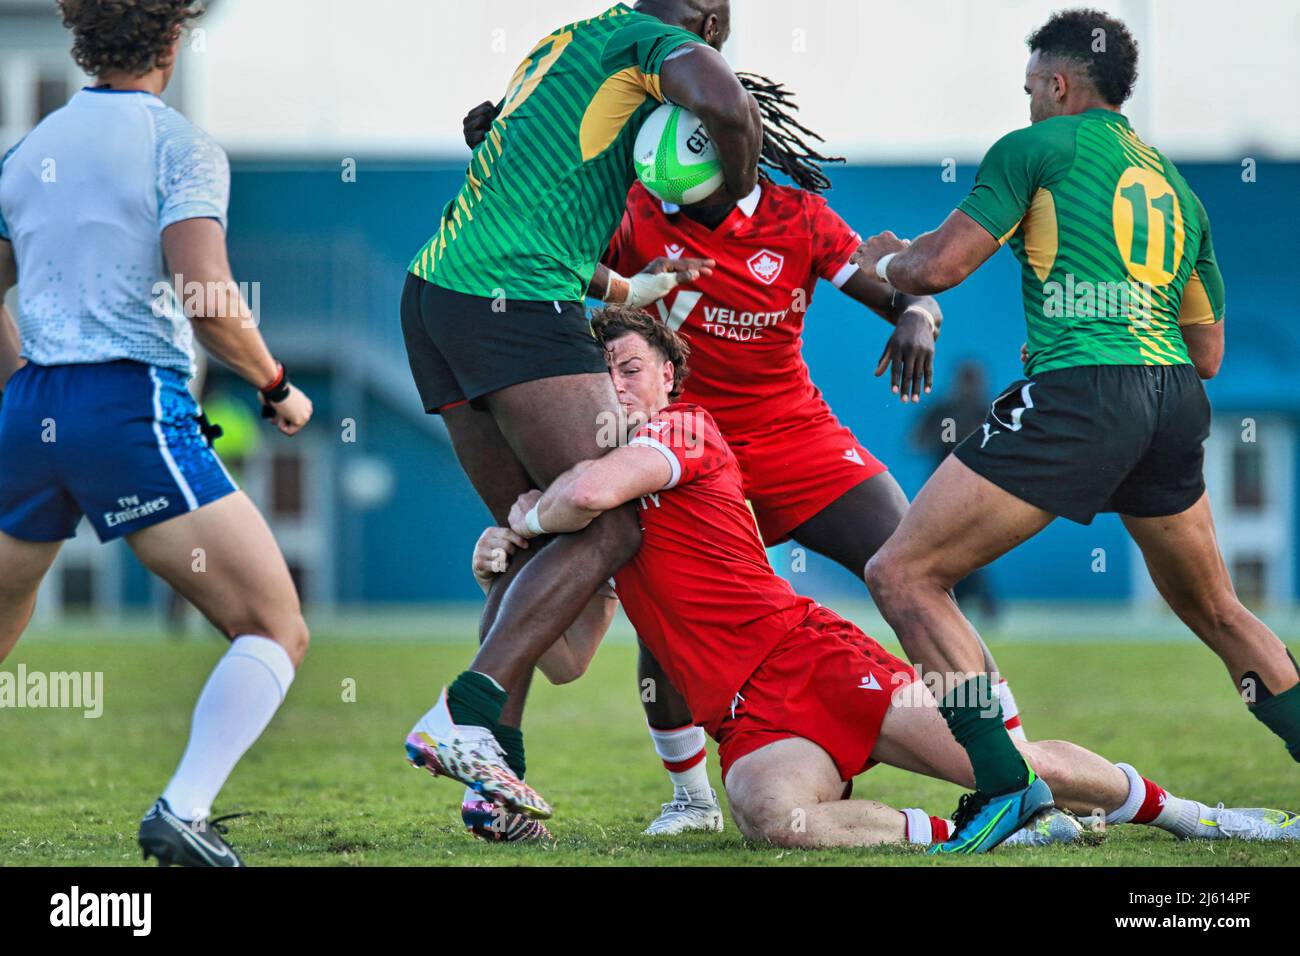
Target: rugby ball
(674, 157)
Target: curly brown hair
(613, 322)
(128, 36)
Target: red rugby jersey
(745, 321)
(700, 591)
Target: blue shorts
(119, 442)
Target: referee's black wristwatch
(277, 391)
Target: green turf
(329, 785)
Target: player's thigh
(223, 558)
(960, 521)
(767, 787)
(1182, 554)
(23, 564)
(853, 527)
(487, 459)
(915, 737)
(554, 423)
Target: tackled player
(799, 700)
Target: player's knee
(289, 630)
(750, 823)
(883, 578)
(777, 826)
(1045, 762)
(296, 638)
(763, 817)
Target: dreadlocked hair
(784, 148)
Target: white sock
(680, 747)
(1137, 792)
(238, 701)
(918, 826)
(1010, 712)
(1182, 818)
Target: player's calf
(1265, 672)
(1182, 554)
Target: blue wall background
(416, 547)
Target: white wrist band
(882, 266)
(934, 325)
(532, 522)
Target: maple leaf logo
(766, 265)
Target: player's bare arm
(10, 346)
(589, 489)
(909, 352)
(1205, 345)
(933, 262)
(568, 658)
(195, 250)
(700, 79)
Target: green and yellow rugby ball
(674, 157)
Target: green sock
(1281, 714)
(511, 740)
(476, 700)
(975, 717)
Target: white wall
(881, 80)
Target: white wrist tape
(882, 266)
(645, 288)
(929, 316)
(532, 522)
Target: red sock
(681, 766)
(941, 828)
(1152, 804)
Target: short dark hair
(131, 36)
(615, 321)
(1073, 35)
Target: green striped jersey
(1114, 246)
(545, 189)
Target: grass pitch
(328, 784)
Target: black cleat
(177, 842)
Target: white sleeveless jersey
(84, 199)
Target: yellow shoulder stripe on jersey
(1151, 155)
(1041, 233)
(530, 73)
(618, 98)
(1133, 155)
(1195, 308)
